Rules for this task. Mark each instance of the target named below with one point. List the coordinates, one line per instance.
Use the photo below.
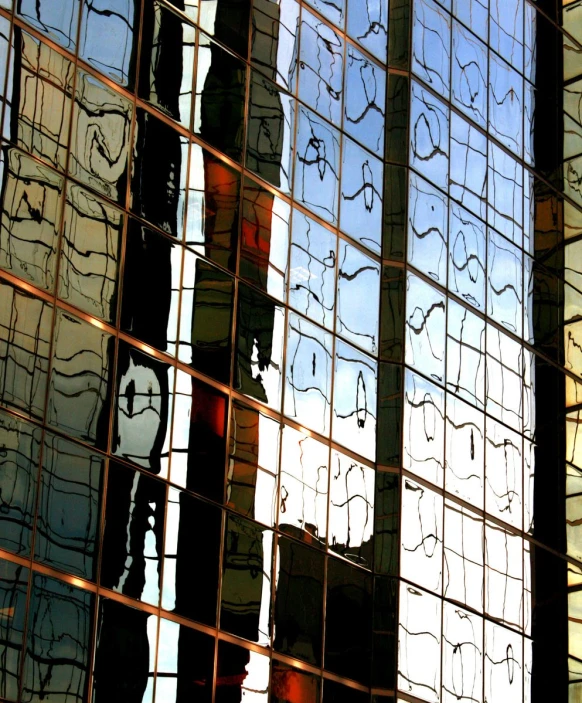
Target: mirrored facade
(290, 376)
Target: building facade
(290, 368)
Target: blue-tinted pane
(109, 38)
(368, 25)
(58, 20)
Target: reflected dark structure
(290, 369)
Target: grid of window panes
(190, 243)
(485, 284)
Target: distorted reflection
(166, 75)
(429, 136)
(265, 225)
(504, 283)
(241, 674)
(425, 328)
(150, 312)
(30, 218)
(506, 104)
(270, 132)
(90, 254)
(355, 397)
(505, 194)
(463, 556)
(19, 457)
(13, 588)
(317, 163)
(503, 664)
(246, 580)
(431, 45)
(421, 553)
(503, 473)
(188, 561)
(462, 654)
(159, 171)
(303, 492)
(419, 643)
(349, 613)
(58, 643)
(308, 374)
(424, 428)
(213, 207)
(469, 80)
(100, 137)
(466, 354)
(467, 256)
(81, 379)
(125, 653)
(260, 337)
(358, 284)
(134, 530)
(369, 25)
(25, 332)
(143, 410)
(119, 20)
(468, 174)
(312, 270)
(364, 110)
(503, 576)
(69, 507)
(59, 23)
(427, 229)
(465, 451)
(360, 196)
(41, 105)
(351, 509)
(504, 380)
(206, 313)
(298, 610)
(199, 437)
(289, 684)
(274, 37)
(253, 462)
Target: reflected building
(289, 359)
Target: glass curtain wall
(289, 361)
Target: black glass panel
(13, 587)
(334, 692)
(199, 438)
(19, 455)
(387, 518)
(150, 286)
(220, 98)
(384, 638)
(298, 618)
(348, 621)
(143, 410)
(81, 379)
(158, 182)
(206, 318)
(134, 529)
(58, 642)
(228, 21)
(167, 62)
(246, 580)
(259, 346)
(193, 531)
(69, 507)
(126, 644)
